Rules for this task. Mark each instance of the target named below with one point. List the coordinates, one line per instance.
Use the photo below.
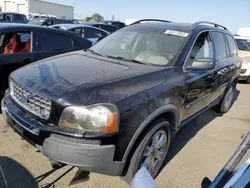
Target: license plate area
(17, 128)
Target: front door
(48, 44)
(199, 83)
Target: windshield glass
(29, 16)
(37, 21)
(147, 45)
(243, 44)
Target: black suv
(115, 107)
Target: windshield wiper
(126, 59)
(94, 52)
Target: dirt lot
(199, 150)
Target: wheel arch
(170, 112)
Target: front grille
(31, 102)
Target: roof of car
(10, 13)
(17, 25)
(97, 23)
(176, 26)
(242, 37)
(71, 26)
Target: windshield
(243, 44)
(37, 21)
(29, 16)
(147, 45)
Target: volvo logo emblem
(25, 98)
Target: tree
(97, 17)
(88, 19)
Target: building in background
(38, 6)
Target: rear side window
(232, 45)
(47, 41)
(220, 46)
(93, 33)
(18, 17)
(108, 28)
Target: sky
(230, 13)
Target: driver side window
(202, 49)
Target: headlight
(102, 118)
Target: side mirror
(143, 179)
(202, 64)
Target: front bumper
(87, 155)
(245, 71)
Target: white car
(243, 43)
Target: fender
(167, 108)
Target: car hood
(80, 77)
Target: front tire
(152, 149)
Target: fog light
(3, 109)
(243, 71)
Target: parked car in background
(243, 42)
(86, 31)
(117, 24)
(120, 103)
(49, 21)
(106, 27)
(32, 16)
(11, 17)
(22, 44)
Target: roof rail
(149, 20)
(196, 24)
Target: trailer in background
(39, 7)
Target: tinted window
(220, 46)
(243, 44)
(18, 17)
(93, 33)
(108, 28)
(202, 48)
(47, 41)
(83, 44)
(232, 45)
(79, 31)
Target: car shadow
(190, 130)
(15, 175)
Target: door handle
(222, 71)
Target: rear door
(48, 43)
(233, 59)
(223, 65)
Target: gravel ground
(199, 150)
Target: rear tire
(227, 101)
(147, 154)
